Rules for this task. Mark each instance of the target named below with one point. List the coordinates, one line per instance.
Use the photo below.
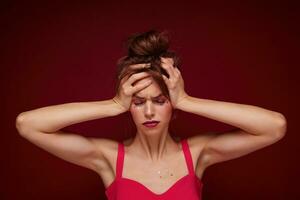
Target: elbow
(21, 123)
(281, 126)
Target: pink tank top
(188, 187)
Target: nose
(149, 110)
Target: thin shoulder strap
(120, 159)
(188, 156)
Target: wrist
(120, 107)
(182, 102)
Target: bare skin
(256, 129)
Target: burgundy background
(54, 52)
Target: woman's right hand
(131, 85)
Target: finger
(135, 77)
(140, 66)
(167, 60)
(135, 67)
(177, 70)
(141, 85)
(166, 79)
(168, 63)
(170, 70)
(125, 78)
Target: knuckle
(167, 67)
(134, 77)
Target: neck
(154, 147)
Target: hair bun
(150, 43)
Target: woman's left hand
(175, 81)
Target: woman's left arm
(252, 119)
(257, 127)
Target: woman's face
(150, 104)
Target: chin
(152, 130)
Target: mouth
(150, 124)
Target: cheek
(135, 113)
(133, 109)
(166, 111)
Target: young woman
(153, 164)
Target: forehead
(153, 90)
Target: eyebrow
(151, 98)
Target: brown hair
(147, 47)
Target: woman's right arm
(42, 127)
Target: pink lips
(150, 124)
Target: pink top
(187, 187)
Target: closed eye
(138, 103)
(160, 102)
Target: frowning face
(150, 104)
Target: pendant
(159, 174)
